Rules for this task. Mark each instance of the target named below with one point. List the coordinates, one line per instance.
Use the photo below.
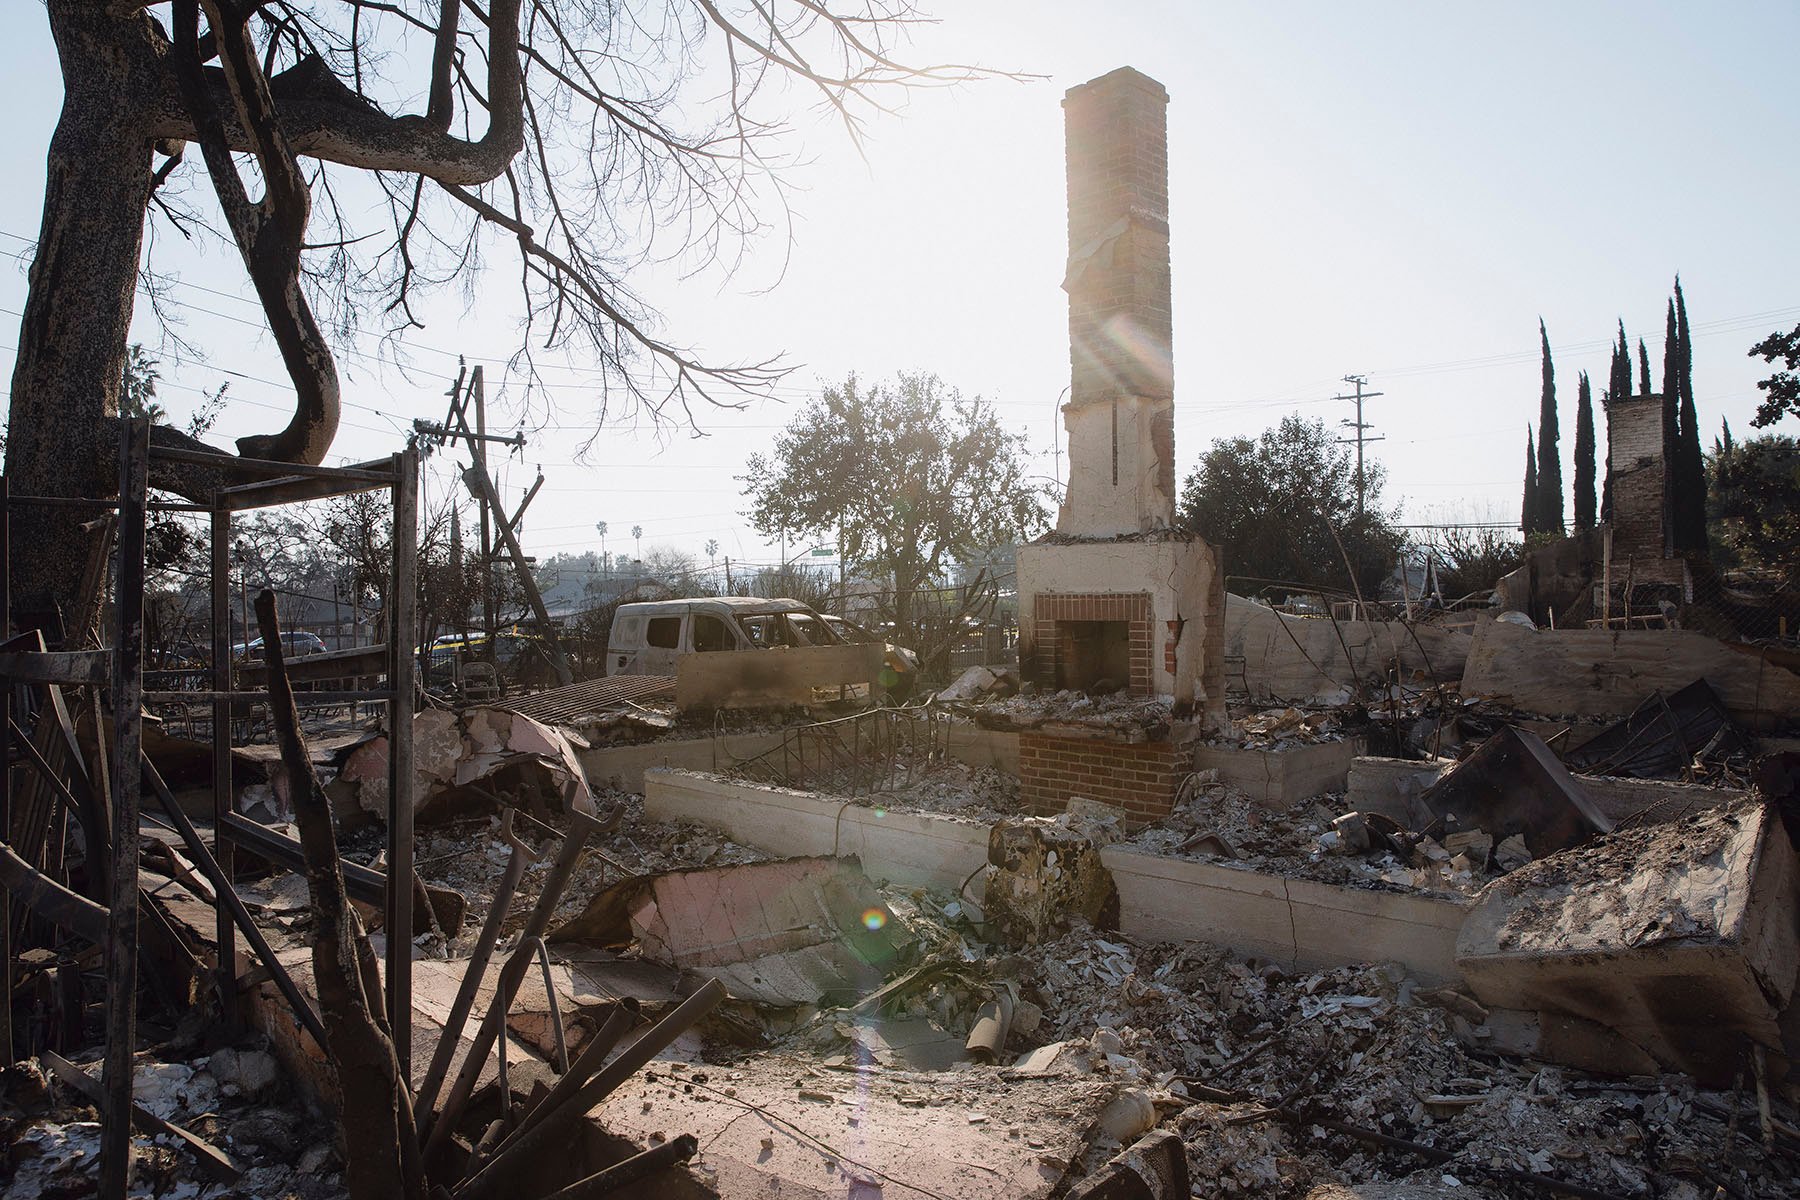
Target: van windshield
(814, 631)
(770, 629)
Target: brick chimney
(1120, 415)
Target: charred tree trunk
(71, 357)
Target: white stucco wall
(1096, 507)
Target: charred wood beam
(227, 898)
(50, 899)
(128, 728)
(213, 1161)
(374, 1099)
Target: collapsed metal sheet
(1512, 784)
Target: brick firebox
(1140, 778)
(1060, 619)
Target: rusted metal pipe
(553, 1127)
(477, 968)
(638, 1166)
(581, 826)
(591, 1059)
(556, 1021)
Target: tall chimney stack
(1120, 415)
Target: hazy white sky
(1393, 189)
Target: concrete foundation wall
(1282, 658)
(623, 767)
(1295, 922)
(1298, 923)
(1281, 778)
(1608, 673)
(905, 848)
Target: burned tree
(557, 127)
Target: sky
(1397, 190)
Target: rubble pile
(264, 1139)
(1116, 711)
(1262, 1070)
(954, 788)
(1275, 728)
(1316, 839)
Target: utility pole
(480, 482)
(1362, 428)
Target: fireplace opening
(1094, 653)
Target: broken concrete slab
(1560, 1038)
(1680, 937)
(1512, 784)
(784, 933)
(774, 1127)
(978, 682)
(1152, 1168)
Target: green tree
(1781, 391)
(1282, 509)
(1472, 560)
(1549, 455)
(1528, 508)
(1644, 386)
(1584, 457)
(909, 474)
(137, 392)
(1618, 387)
(1755, 502)
(1690, 462)
(1671, 428)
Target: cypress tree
(1644, 388)
(1619, 383)
(1618, 387)
(1725, 439)
(1690, 495)
(1671, 431)
(1549, 455)
(1528, 511)
(1584, 456)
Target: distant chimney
(1120, 415)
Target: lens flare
(874, 918)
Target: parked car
(521, 657)
(650, 638)
(294, 644)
